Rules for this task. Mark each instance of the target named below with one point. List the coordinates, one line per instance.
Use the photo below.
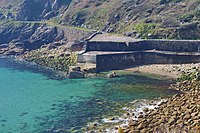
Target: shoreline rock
(179, 113)
(111, 75)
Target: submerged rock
(76, 74)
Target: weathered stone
(74, 68)
(187, 116)
(126, 131)
(76, 74)
(141, 126)
(171, 120)
(132, 123)
(111, 75)
(145, 109)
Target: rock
(56, 4)
(111, 75)
(49, 15)
(76, 74)
(76, 46)
(50, 47)
(126, 131)
(132, 123)
(187, 116)
(194, 114)
(145, 110)
(74, 68)
(144, 131)
(141, 126)
(171, 120)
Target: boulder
(141, 126)
(111, 75)
(76, 75)
(74, 68)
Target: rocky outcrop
(75, 73)
(27, 37)
(177, 114)
(21, 37)
(150, 19)
(26, 9)
(32, 10)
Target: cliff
(166, 19)
(19, 37)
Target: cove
(35, 99)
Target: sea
(34, 99)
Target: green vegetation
(55, 22)
(186, 17)
(51, 22)
(190, 76)
(10, 23)
(97, 18)
(190, 17)
(145, 29)
(79, 17)
(72, 59)
(10, 6)
(151, 21)
(56, 62)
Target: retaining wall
(120, 61)
(163, 45)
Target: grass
(145, 29)
(51, 23)
(13, 6)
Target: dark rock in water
(54, 104)
(3, 120)
(23, 114)
(53, 109)
(3, 125)
(76, 74)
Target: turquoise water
(34, 99)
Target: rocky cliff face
(22, 37)
(168, 19)
(32, 10)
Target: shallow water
(34, 99)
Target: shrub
(145, 29)
(186, 17)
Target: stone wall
(86, 58)
(173, 45)
(125, 60)
(162, 45)
(118, 61)
(142, 52)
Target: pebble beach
(179, 113)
